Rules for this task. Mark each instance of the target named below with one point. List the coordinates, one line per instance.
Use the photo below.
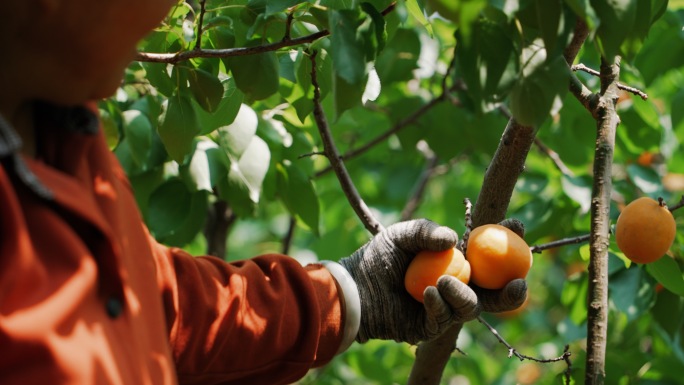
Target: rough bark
(597, 301)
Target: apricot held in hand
(426, 268)
(497, 256)
(645, 230)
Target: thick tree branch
(355, 200)
(597, 297)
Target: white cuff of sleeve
(350, 300)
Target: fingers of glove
(460, 297)
(439, 315)
(508, 298)
(421, 234)
(514, 225)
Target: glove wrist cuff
(349, 295)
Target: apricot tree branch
(513, 352)
(173, 58)
(597, 296)
(491, 206)
(355, 200)
(287, 41)
(633, 90)
(561, 242)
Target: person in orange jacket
(87, 296)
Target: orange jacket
(88, 297)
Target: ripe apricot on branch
(426, 268)
(645, 230)
(497, 256)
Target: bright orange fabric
(184, 319)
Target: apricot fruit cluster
(645, 230)
(494, 256)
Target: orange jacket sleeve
(264, 321)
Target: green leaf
(666, 271)
(617, 18)
(236, 137)
(349, 58)
(376, 30)
(168, 207)
(275, 6)
(346, 95)
(416, 11)
(256, 75)
(197, 173)
(226, 111)
(159, 77)
(206, 89)
(646, 179)
(178, 127)
(242, 188)
(574, 297)
(549, 18)
(579, 190)
(297, 191)
(543, 84)
(138, 132)
(630, 292)
(487, 61)
(400, 57)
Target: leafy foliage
(235, 126)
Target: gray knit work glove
(389, 312)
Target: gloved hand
(389, 312)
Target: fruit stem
(661, 202)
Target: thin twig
(417, 196)
(568, 362)
(287, 241)
(393, 130)
(635, 91)
(513, 352)
(288, 25)
(554, 157)
(677, 205)
(561, 242)
(389, 8)
(198, 43)
(173, 58)
(355, 200)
